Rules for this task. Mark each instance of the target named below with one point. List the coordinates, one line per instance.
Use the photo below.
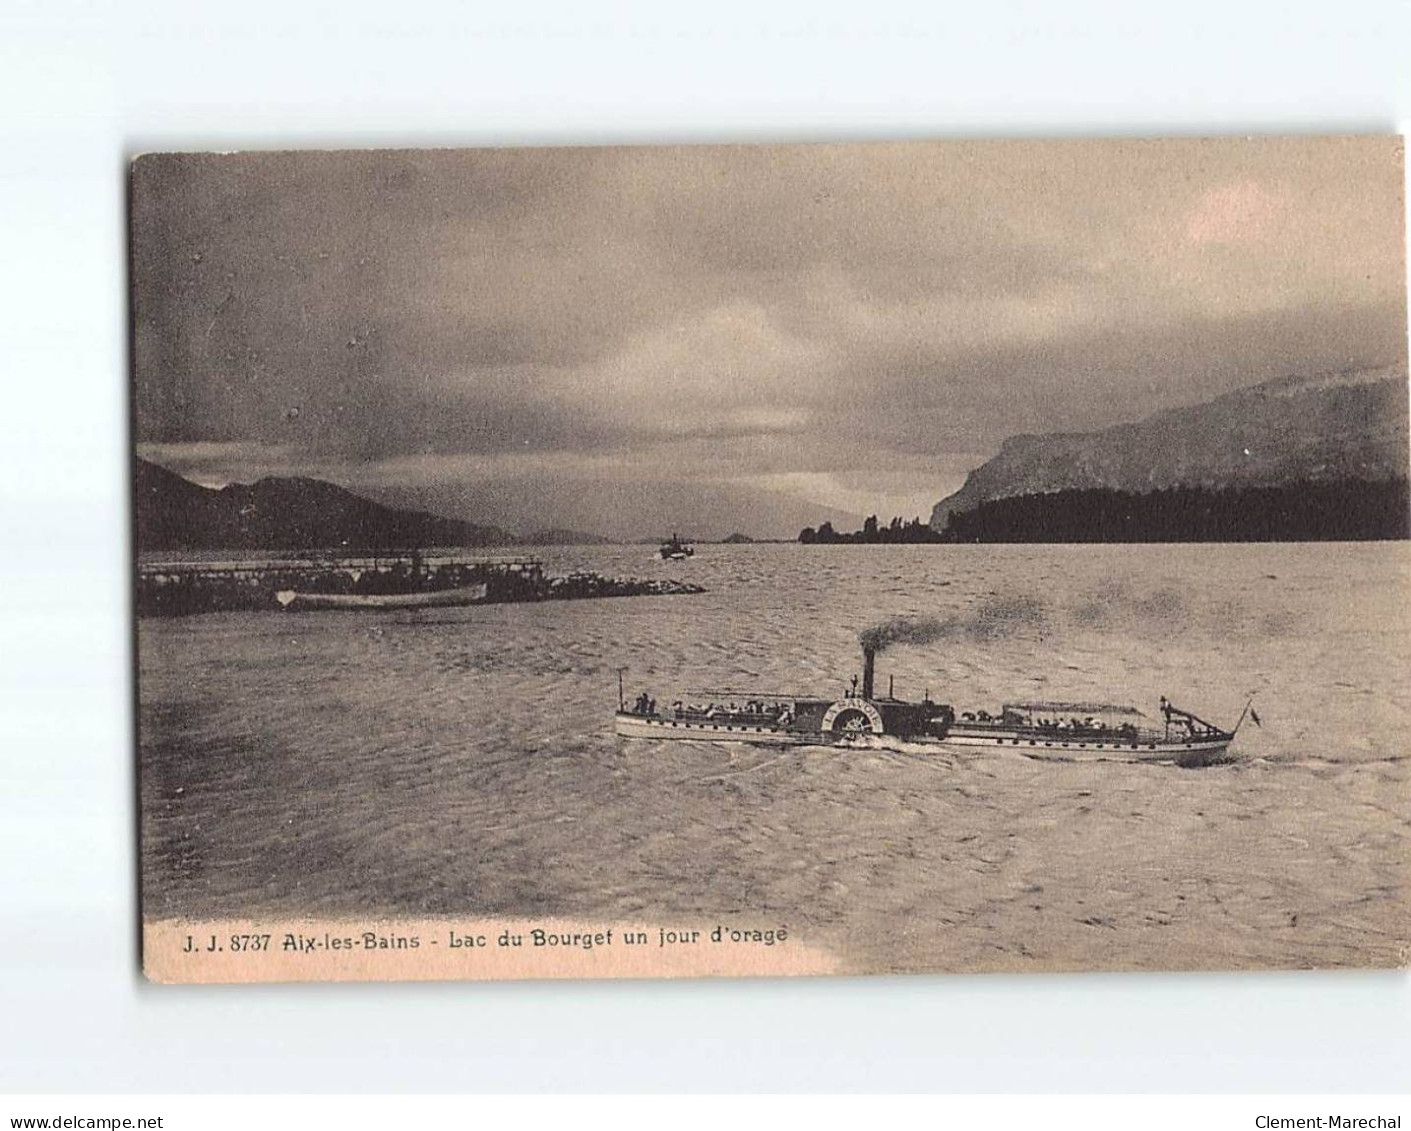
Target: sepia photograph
(705, 560)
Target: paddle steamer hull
(637, 726)
(1057, 731)
(960, 740)
(1146, 748)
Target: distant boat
(675, 549)
(294, 601)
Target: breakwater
(186, 588)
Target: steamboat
(676, 550)
(1048, 730)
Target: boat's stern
(630, 725)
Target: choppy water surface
(462, 762)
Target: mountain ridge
(1346, 424)
(284, 513)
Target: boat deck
(967, 738)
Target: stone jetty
(185, 588)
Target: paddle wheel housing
(853, 716)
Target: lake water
(462, 762)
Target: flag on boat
(1254, 717)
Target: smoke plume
(1108, 607)
(994, 619)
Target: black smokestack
(869, 671)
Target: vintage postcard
(765, 560)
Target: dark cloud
(627, 313)
(919, 400)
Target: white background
(85, 85)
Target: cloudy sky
(711, 339)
